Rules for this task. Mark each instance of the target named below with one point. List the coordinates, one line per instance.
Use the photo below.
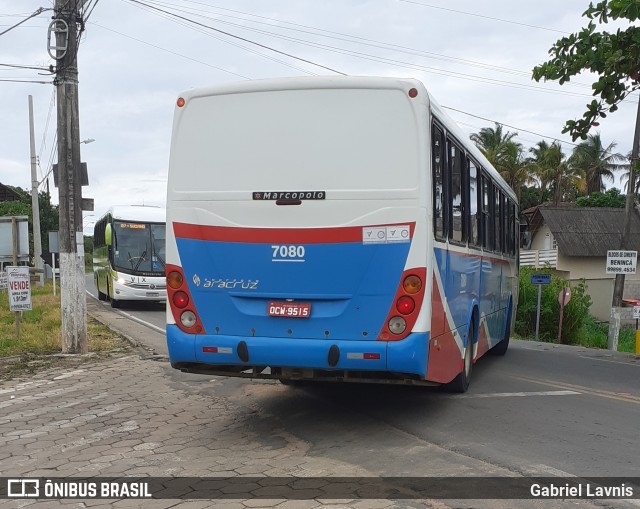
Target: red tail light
(406, 306)
(180, 302)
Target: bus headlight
(397, 325)
(188, 319)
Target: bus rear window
(305, 140)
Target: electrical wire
(169, 51)
(226, 41)
(483, 16)
(511, 126)
(39, 11)
(379, 59)
(240, 38)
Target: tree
(552, 170)
(505, 154)
(597, 162)
(493, 143)
(626, 175)
(612, 198)
(614, 57)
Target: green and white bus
(129, 255)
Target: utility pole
(618, 288)
(35, 203)
(71, 241)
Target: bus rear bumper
(235, 354)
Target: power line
(168, 51)
(238, 37)
(17, 66)
(380, 59)
(483, 16)
(36, 13)
(26, 81)
(226, 41)
(342, 37)
(511, 126)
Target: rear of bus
(297, 230)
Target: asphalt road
(542, 410)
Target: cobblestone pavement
(136, 416)
(125, 417)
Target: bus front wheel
(101, 296)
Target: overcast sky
(473, 56)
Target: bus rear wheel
(501, 348)
(461, 382)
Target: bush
(576, 312)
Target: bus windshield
(139, 247)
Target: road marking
(520, 394)
(140, 321)
(620, 396)
(136, 319)
(607, 360)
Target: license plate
(153, 294)
(290, 309)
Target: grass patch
(593, 334)
(40, 336)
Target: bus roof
(146, 213)
(355, 82)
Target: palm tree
(505, 154)
(540, 169)
(552, 169)
(514, 167)
(597, 162)
(625, 176)
(492, 142)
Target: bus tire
(502, 347)
(101, 296)
(461, 382)
(114, 303)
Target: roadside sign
(540, 279)
(621, 262)
(564, 296)
(636, 312)
(3, 281)
(19, 288)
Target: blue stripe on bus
(350, 286)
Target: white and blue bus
(129, 254)
(334, 228)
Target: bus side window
(473, 203)
(496, 213)
(512, 228)
(439, 184)
(487, 220)
(457, 197)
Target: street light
(88, 140)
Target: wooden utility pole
(71, 242)
(618, 288)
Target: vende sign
(19, 288)
(621, 262)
